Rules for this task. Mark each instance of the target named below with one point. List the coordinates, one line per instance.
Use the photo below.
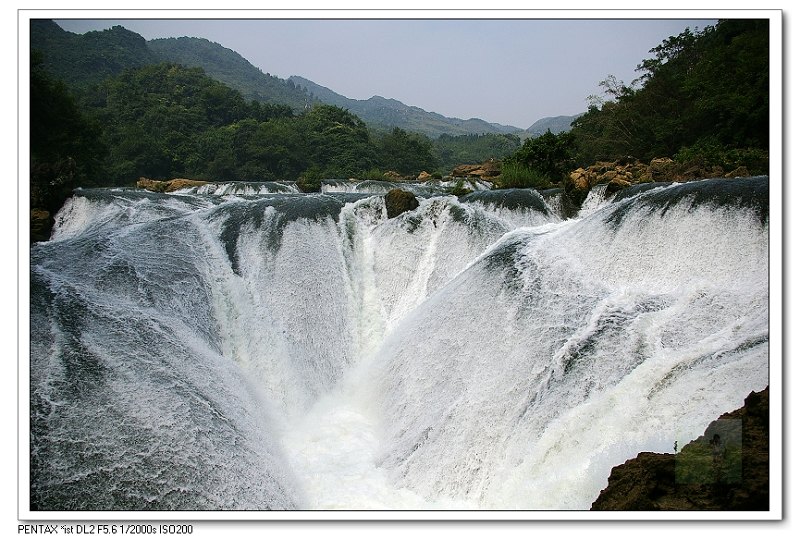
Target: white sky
(511, 71)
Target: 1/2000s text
(105, 529)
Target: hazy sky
(505, 71)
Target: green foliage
(231, 69)
(519, 175)
(310, 181)
(65, 147)
(453, 150)
(548, 157)
(707, 86)
(407, 153)
(458, 189)
(167, 120)
(336, 141)
(157, 118)
(372, 174)
(708, 154)
(84, 60)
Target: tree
(705, 87)
(549, 155)
(336, 141)
(405, 152)
(64, 143)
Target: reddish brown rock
(486, 170)
(168, 186)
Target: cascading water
(255, 349)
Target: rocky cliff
(725, 469)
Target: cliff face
(725, 469)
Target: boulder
(423, 176)
(486, 170)
(462, 171)
(577, 186)
(617, 183)
(182, 183)
(661, 168)
(167, 186)
(399, 201)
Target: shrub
(518, 175)
(710, 153)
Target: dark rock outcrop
(725, 469)
(51, 185)
(41, 225)
(399, 201)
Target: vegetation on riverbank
(702, 101)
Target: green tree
(549, 155)
(404, 152)
(64, 143)
(705, 87)
(453, 150)
(336, 141)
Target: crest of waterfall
(245, 346)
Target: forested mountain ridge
(383, 113)
(554, 124)
(83, 60)
(229, 67)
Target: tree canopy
(704, 89)
(166, 120)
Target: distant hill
(556, 124)
(229, 67)
(81, 60)
(387, 113)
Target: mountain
(81, 60)
(387, 113)
(229, 67)
(556, 124)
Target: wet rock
(399, 201)
(577, 186)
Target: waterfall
(250, 347)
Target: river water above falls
(245, 346)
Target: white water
(503, 359)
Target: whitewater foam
(257, 351)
